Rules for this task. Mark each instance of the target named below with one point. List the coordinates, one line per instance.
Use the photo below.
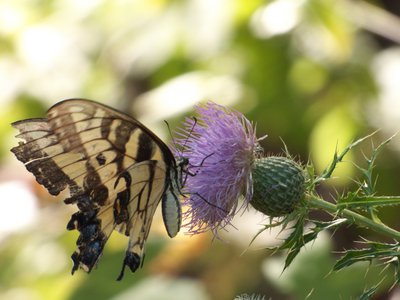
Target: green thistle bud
(279, 185)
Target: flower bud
(279, 185)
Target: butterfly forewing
(115, 169)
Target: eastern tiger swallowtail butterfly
(116, 170)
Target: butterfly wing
(116, 171)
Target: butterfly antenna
(202, 161)
(172, 137)
(190, 133)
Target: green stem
(352, 217)
(370, 201)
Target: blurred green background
(313, 73)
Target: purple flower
(221, 146)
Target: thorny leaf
(374, 251)
(297, 239)
(369, 293)
(339, 158)
(364, 199)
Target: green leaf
(327, 225)
(396, 264)
(368, 185)
(310, 170)
(339, 158)
(375, 251)
(378, 150)
(369, 293)
(295, 236)
(297, 239)
(266, 227)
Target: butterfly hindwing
(144, 195)
(116, 171)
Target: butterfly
(116, 170)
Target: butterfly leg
(209, 203)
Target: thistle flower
(249, 297)
(224, 164)
(221, 147)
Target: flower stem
(352, 217)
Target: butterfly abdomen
(171, 211)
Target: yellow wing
(115, 169)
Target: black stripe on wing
(97, 153)
(131, 214)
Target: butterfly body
(116, 170)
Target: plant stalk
(352, 217)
